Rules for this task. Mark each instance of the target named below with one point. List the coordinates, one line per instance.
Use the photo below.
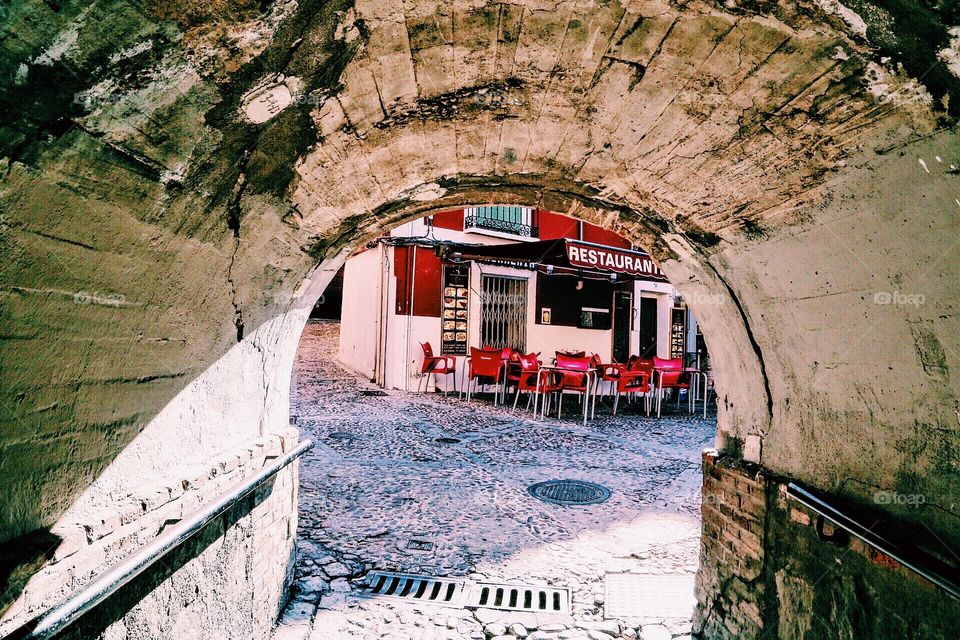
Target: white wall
(664, 306)
(548, 339)
(361, 311)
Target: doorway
(622, 324)
(648, 328)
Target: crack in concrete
(754, 344)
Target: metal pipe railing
(58, 618)
(921, 563)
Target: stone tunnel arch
(775, 168)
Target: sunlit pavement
(379, 479)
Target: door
(648, 327)
(622, 317)
(503, 313)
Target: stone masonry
(242, 561)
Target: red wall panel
(599, 235)
(425, 286)
(554, 225)
(449, 220)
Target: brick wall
(729, 580)
(227, 581)
(765, 572)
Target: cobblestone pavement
(379, 478)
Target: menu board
(453, 337)
(678, 332)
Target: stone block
(102, 524)
(73, 538)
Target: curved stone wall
(170, 175)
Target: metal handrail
(58, 618)
(920, 565)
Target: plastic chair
(528, 377)
(669, 374)
(634, 382)
(436, 365)
(520, 364)
(578, 376)
(486, 366)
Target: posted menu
(456, 280)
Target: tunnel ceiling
(715, 118)
(201, 157)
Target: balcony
(502, 221)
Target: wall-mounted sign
(545, 315)
(453, 337)
(678, 332)
(593, 256)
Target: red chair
(436, 365)
(519, 364)
(627, 381)
(528, 377)
(486, 366)
(578, 376)
(669, 374)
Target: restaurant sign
(592, 256)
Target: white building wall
(359, 318)
(366, 274)
(664, 306)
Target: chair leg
(560, 405)
(659, 399)
(516, 398)
(616, 402)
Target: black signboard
(678, 332)
(453, 320)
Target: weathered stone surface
(798, 189)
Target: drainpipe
(383, 326)
(406, 342)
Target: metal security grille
(503, 316)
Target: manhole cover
(448, 440)
(341, 435)
(569, 492)
(373, 392)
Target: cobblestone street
(423, 484)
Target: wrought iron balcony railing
(502, 226)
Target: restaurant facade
(505, 276)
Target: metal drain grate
(448, 440)
(569, 492)
(373, 392)
(514, 597)
(341, 435)
(411, 588)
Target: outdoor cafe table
(694, 391)
(590, 389)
